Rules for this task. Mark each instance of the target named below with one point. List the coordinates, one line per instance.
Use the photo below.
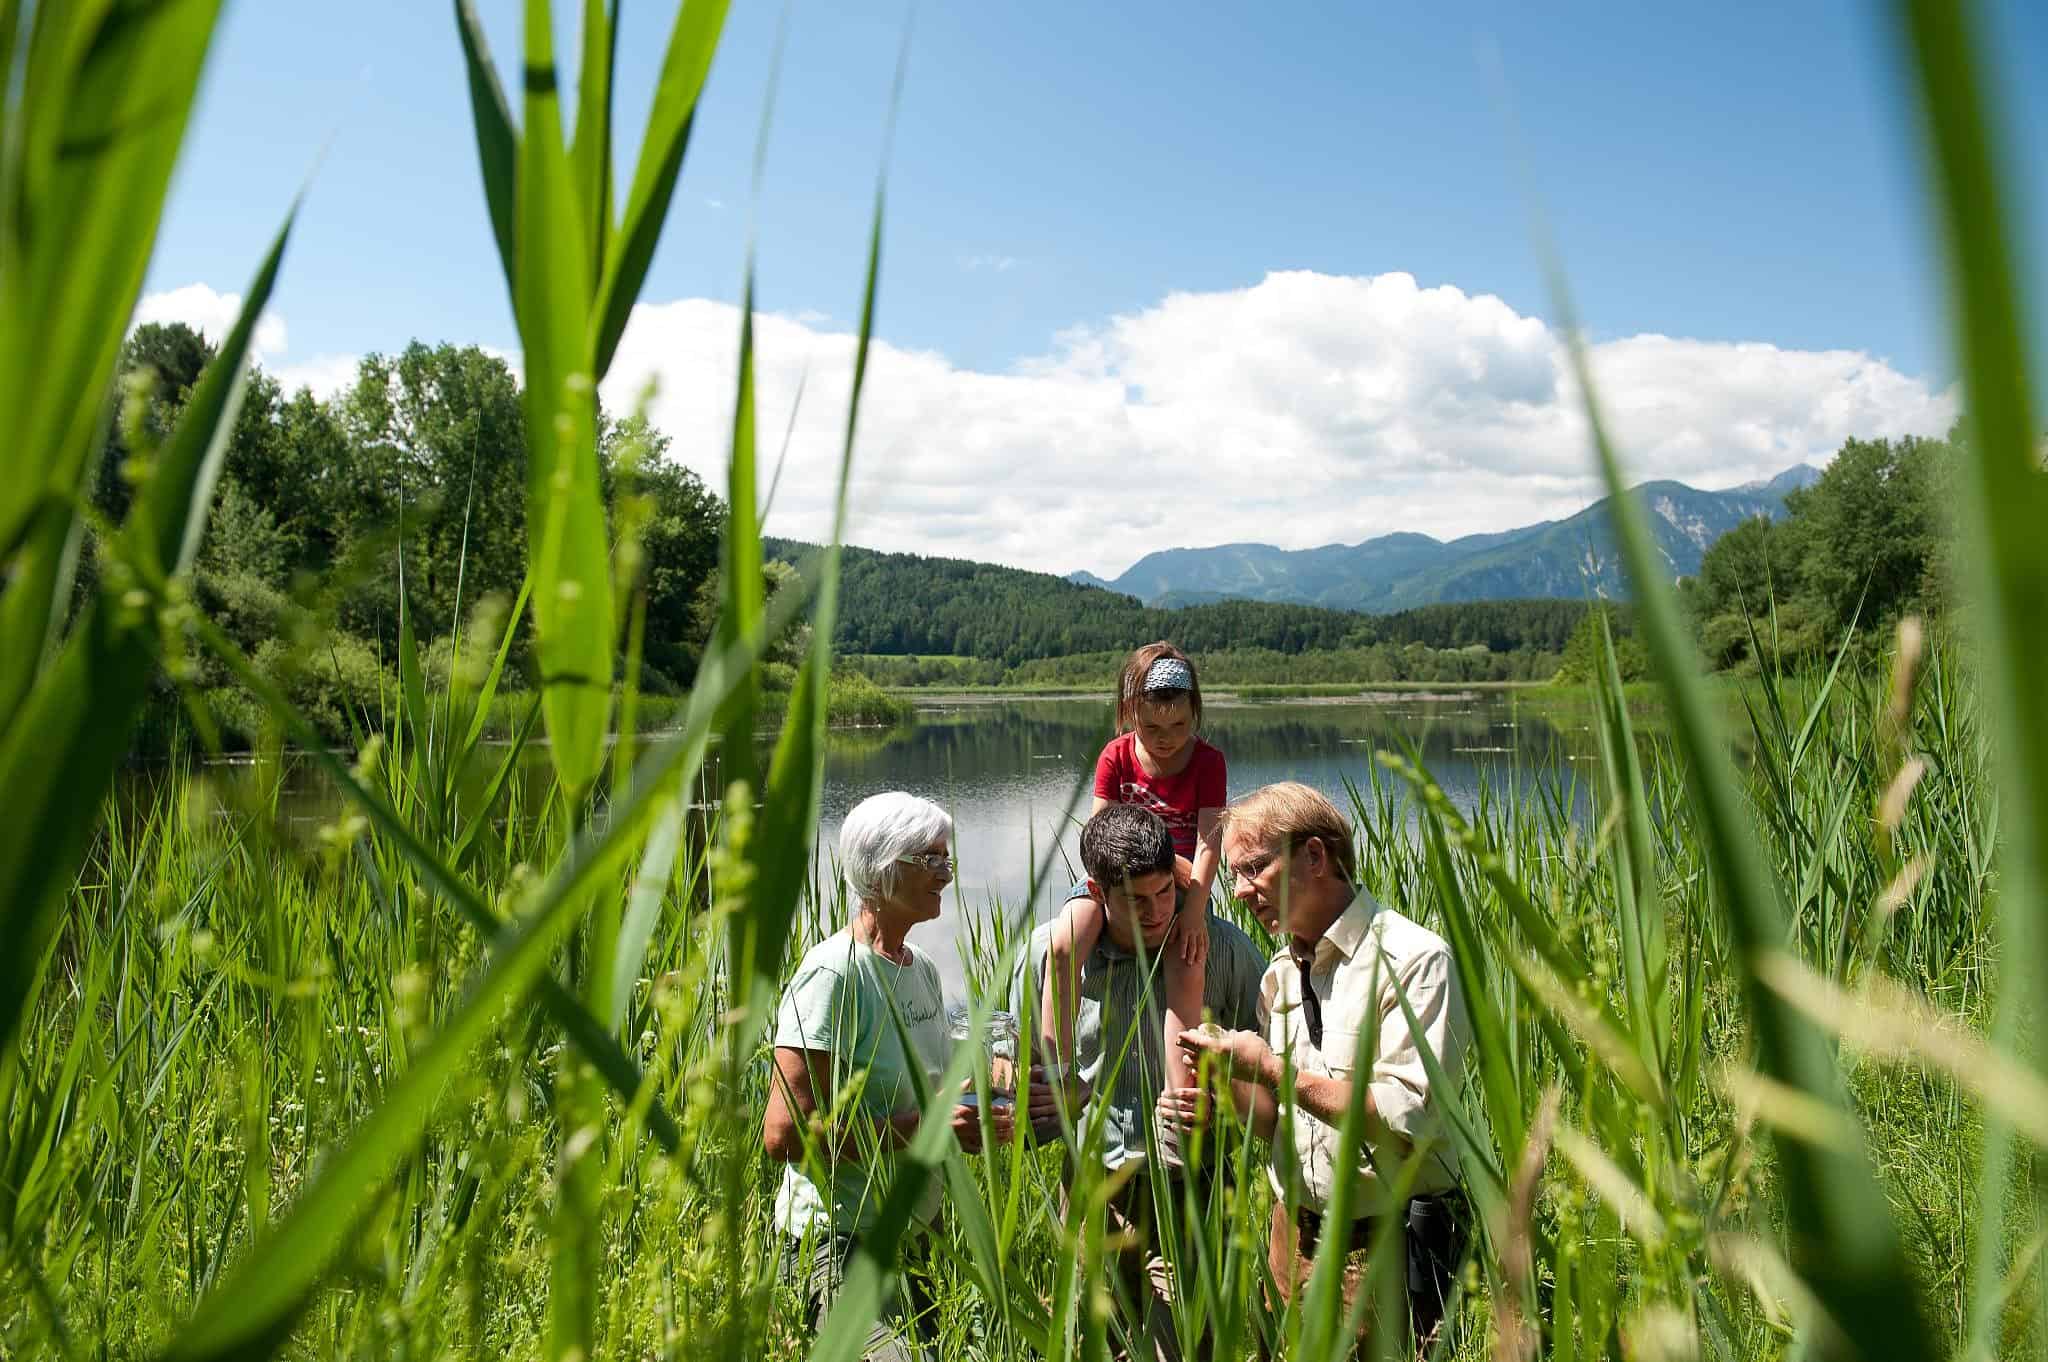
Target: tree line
(1868, 542)
(909, 605)
(413, 474)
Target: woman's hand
(1183, 1109)
(1183, 873)
(1245, 1057)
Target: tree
(678, 521)
(1582, 660)
(440, 465)
(1869, 529)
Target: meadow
(470, 1068)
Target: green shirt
(1120, 999)
(839, 1002)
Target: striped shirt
(1116, 995)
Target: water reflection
(1010, 771)
(1017, 775)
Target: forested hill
(906, 604)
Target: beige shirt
(1362, 966)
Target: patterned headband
(1169, 673)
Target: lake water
(1018, 774)
(1010, 770)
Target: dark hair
(1123, 842)
(1130, 689)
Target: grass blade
(497, 145)
(2003, 552)
(684, 67)
(1842, 1237)
(572, 588)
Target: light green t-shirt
(838, 1002)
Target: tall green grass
(473, 1069)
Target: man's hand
(1002, 1126)
(1244, 1056)
(1043, 1101)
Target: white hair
(881, 828)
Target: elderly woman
(834, 1026)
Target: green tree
(1581, 661)
(1869, 529)
(439, 460)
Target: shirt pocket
(1340, 1045)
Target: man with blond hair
(1337, 985)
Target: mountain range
(1574, 557)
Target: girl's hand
(1194, 935)
(1183, 872)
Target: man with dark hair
(1119, 1037)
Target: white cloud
(1305, 409)
(213, 315)
(326, 375)
(1001, 264)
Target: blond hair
(1287, 814)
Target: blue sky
(1102, 218)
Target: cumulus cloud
(213, 315)
(326, 375)
(1305, 409)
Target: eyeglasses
(937, 862)
(1254, 866)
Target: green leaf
(1840, 1226)
(28, 612)
(497, 145)
(101, 108)
(70, 733)
(643, 905)
(572, 590)
(590, 155)
(683, 68)
(742, 591)
(2000, 544)
(246, 1312)
(170, 517)
(489, 690)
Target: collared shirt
(1120, 999)
(1361, 968)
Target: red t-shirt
(1177, 799)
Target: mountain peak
(1572, 557)
(1797, 476)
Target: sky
(1154, 275)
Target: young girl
(1158, 763)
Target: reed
(478, 1066)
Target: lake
(1009, 770)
